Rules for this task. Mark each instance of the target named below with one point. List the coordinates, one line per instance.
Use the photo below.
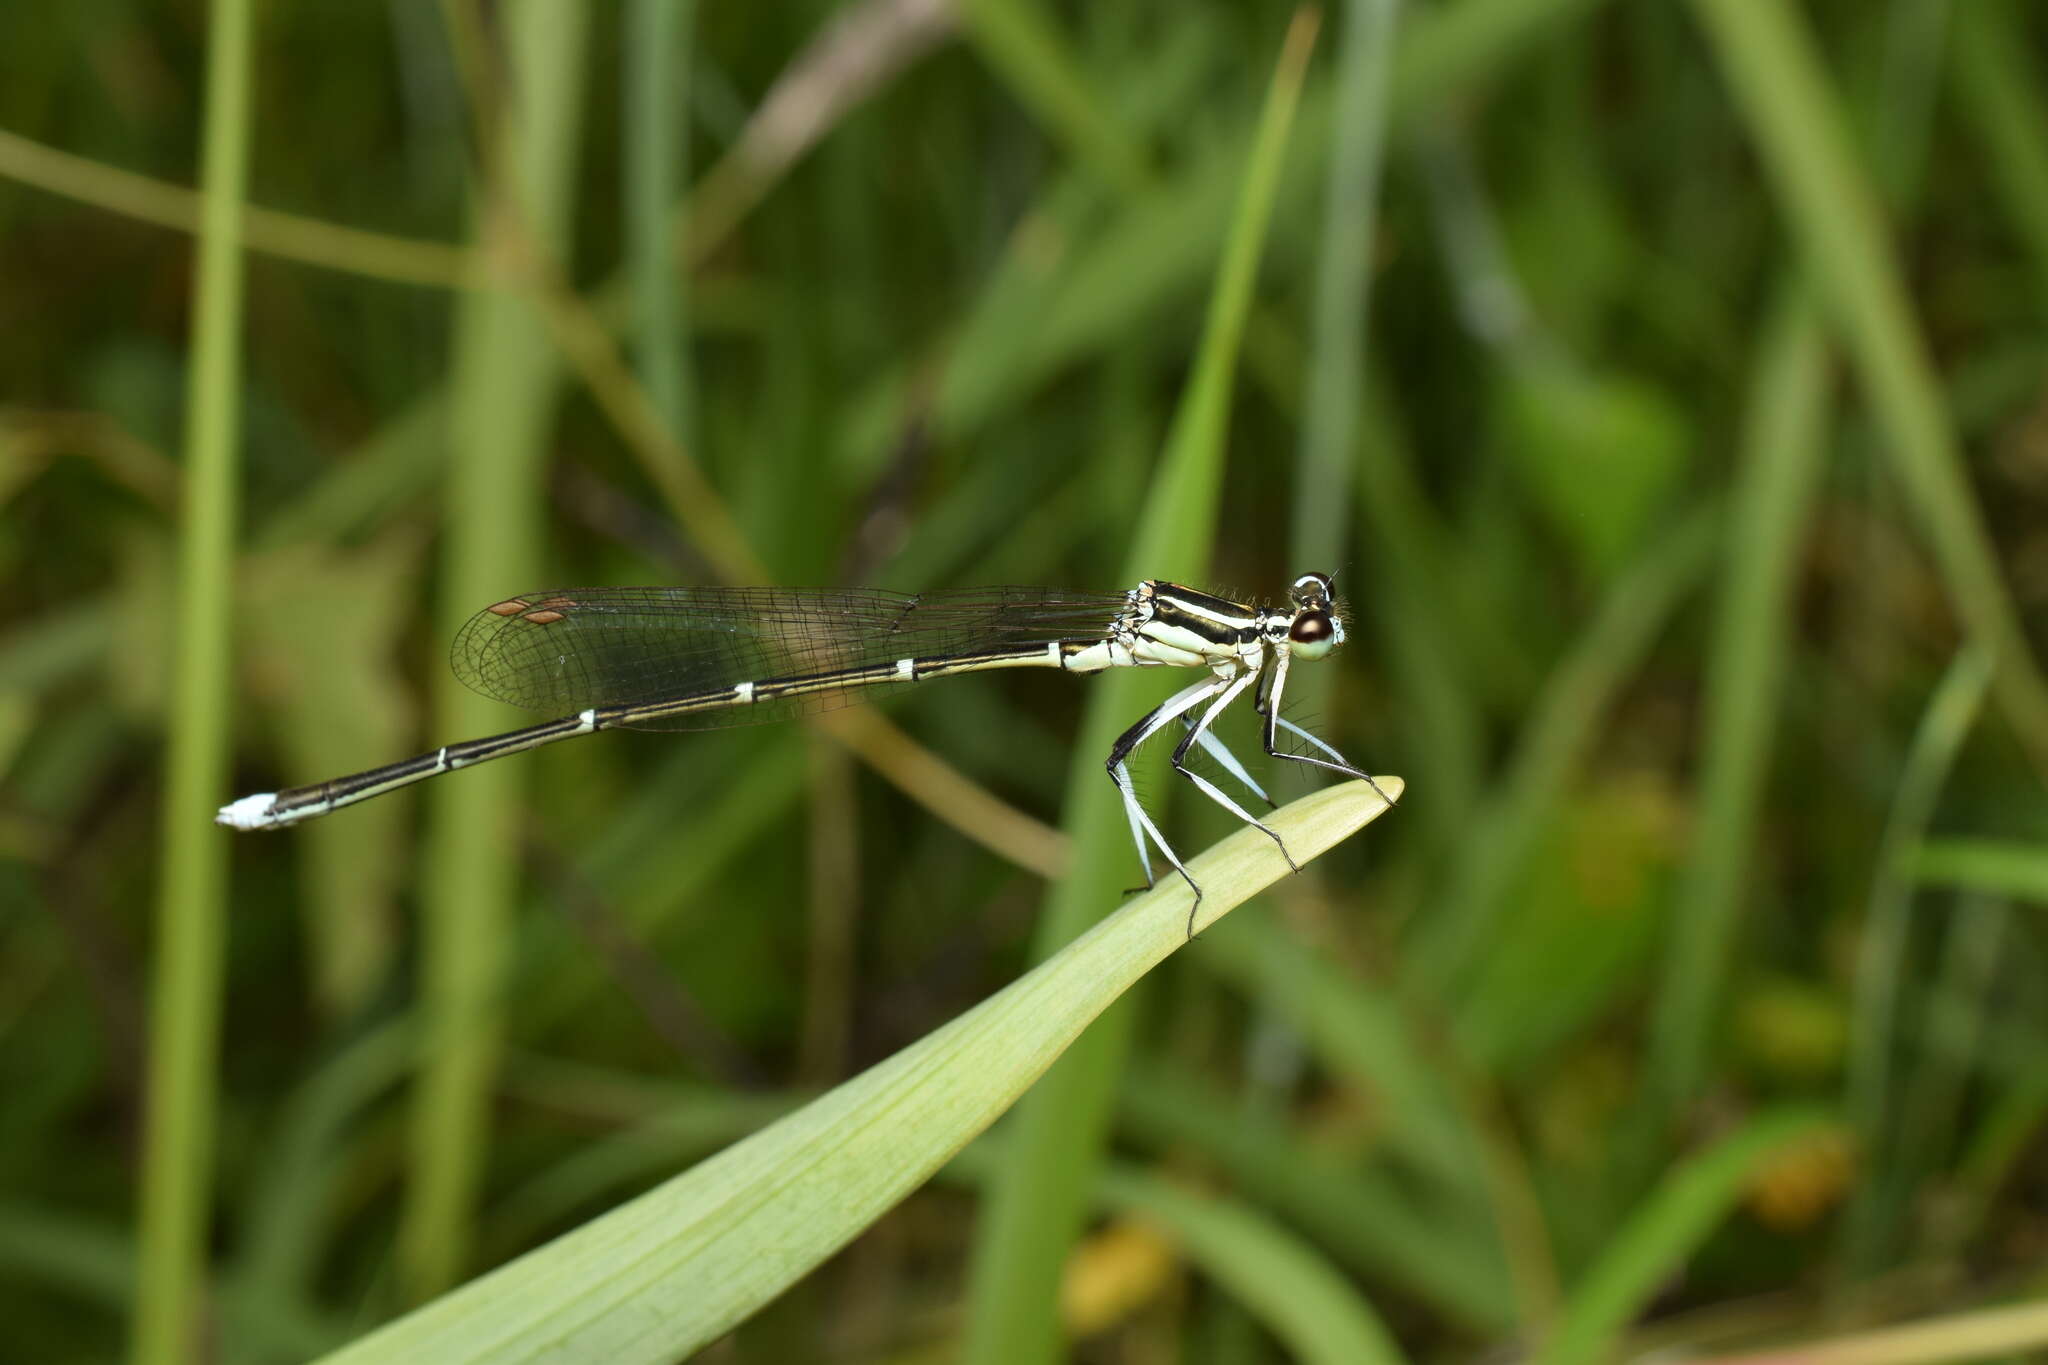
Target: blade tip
(251, 812)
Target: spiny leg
(1300, 733)
(1209, 789)
(1129, 740)
(1119, 772)
(1274, 723)
(1216, 749)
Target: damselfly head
(1316, 628)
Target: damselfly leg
(1269, 708)
(1156, 720)
(1212, 745)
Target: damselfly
(699, 658)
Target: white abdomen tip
(251, 812)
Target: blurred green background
(1666, 385)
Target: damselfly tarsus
(699, 658)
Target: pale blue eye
(1311, 649)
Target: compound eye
(1311, 587)
(1311, 635)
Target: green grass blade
(1988, 865)
(1443, 51)
(1796, 122)
(1441, 646)
(2003, 1139)
(1161, 240)
(1314, 1311)
(2015, 1332)
(1881, 954)
(57, 647)
(294, 1187)
(68, 1257)
(1174, 531)
(1024, 46)
(1954, 1019)
(178, 1156)
(1286, 1283)
(1375, 1220)
(53, 1254)
(398, 465)
(1663, 1234)
(1322, 503)
(654, 872)
(1553, 740)
(1038, 1201)
(505, 372)
(685, 1131)
(679, 1266)
(657, 36)
(1778, 475)
(1999, 92)
(1452, 47)
(1362, 1034)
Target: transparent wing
(564, 649)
